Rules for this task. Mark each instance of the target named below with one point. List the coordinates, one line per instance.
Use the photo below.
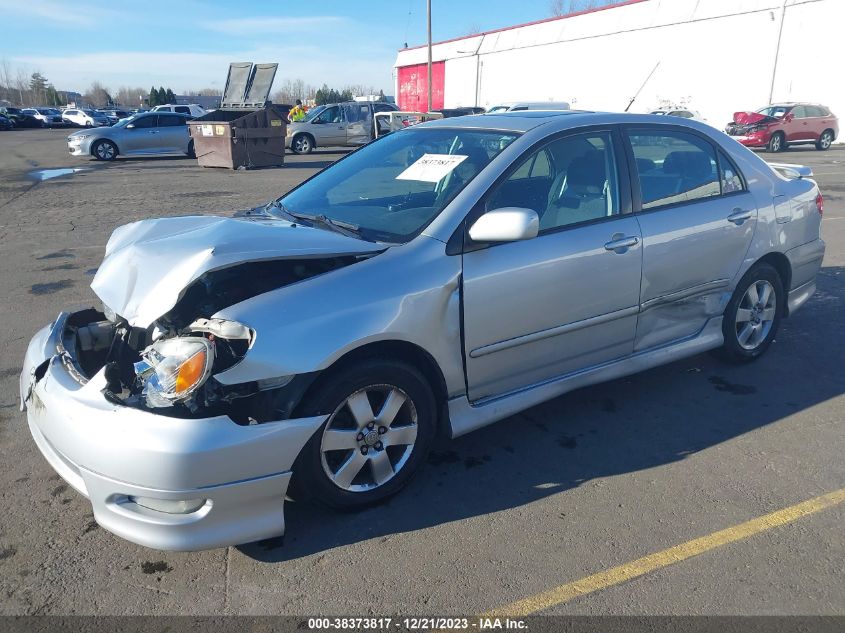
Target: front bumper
(753, 140)
(112, 454)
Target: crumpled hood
(149, 264)
(750, 118)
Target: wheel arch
(309, 135)
(397, 350)
(781, 264)
(110, 140)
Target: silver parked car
(440, 278)
(347, 124)
(145, 134)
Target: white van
(528, 105)
(191, 109)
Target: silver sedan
(145, 134)
(439, 279)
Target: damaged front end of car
(135, 404)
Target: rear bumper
(113, 454)
(805, 262)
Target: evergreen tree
(153, 98)
(171, 97)
(162, 95)
(381, 95)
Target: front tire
(825, 141)
(104, 150)
(777, 143)
(191, 153)
(753, 315)
(382, 422)
(302, 144)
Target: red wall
(413, 86)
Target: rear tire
(104, 150)
(382, 422)
(777, 143)
(302, 144)
(825, 141)
(753, 315)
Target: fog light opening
(169, 506)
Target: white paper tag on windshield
(432, 167)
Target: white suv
(84, 118)
(191, 109)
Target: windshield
(314, 112)
(774, 111)
(391, 189)
(126, 121)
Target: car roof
(556, 120)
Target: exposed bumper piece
(114, 454)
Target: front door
(567, 299)
(697, 220)
(142, 137)
(329, 127)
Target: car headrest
(587, 172)
(687, 164)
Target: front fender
(409, 293)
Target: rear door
(697, 220)
(568, 299)
(359, 123)
(173, 133)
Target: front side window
(569, 181)
(799, 112)
(394, 187)
(144, 122)
(674, 167)
(329, 115)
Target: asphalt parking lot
(569, 489)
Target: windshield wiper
(344, 228)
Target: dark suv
(778, 126)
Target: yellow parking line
(658, 560)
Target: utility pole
(777, 51)
(428, 10)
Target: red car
(778, 126)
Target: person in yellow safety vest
(298, 112)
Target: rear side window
(731, 179)
(674, 167)
(183, 109)
(171, 120)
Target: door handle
(621, 243)
(738, 216)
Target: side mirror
(509, 224)
(789, 118)
(131, 126)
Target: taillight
(820, 204)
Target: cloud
(73, 14)
(276, 25)
(190, 71)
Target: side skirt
(466, 416)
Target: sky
(188, 44)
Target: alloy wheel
(826, 140)
(756, 314)
(105, 151)
(369, 438)
(776, 143)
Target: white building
(714, 56)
